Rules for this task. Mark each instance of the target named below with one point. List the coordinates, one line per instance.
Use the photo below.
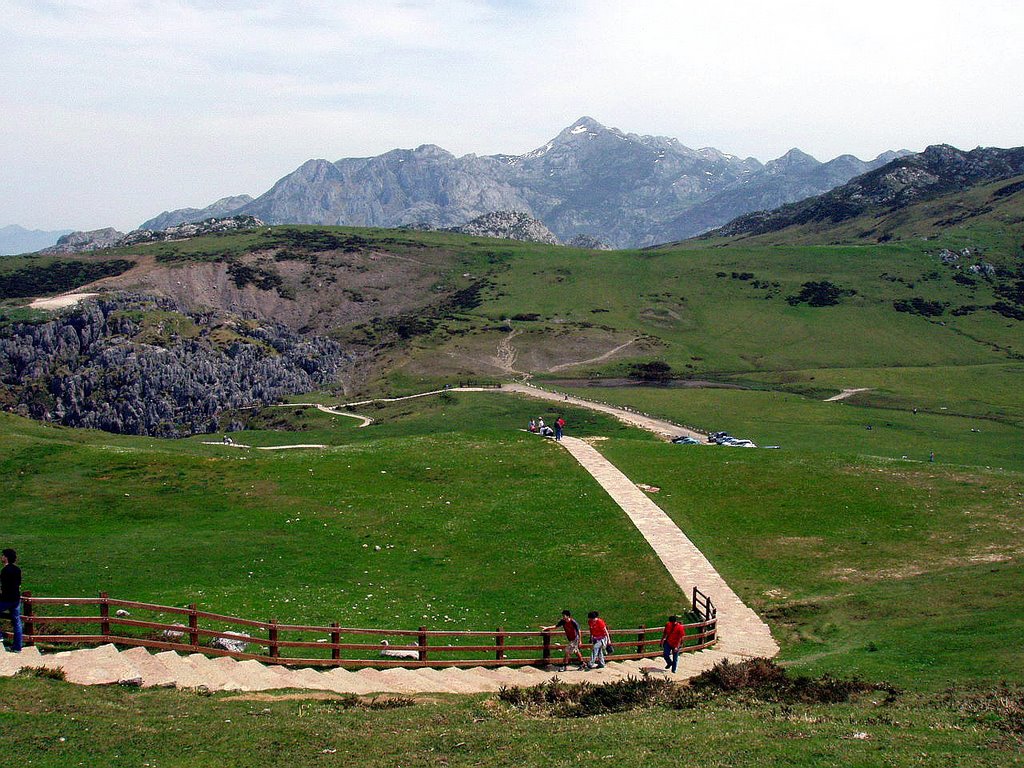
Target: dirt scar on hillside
(60, 302)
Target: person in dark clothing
(572, 636)
(10, 595)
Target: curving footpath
(742, 634)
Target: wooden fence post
(104, 615)
(335, 640)
(423, 643)
(499, 642)
(641, 639)
(26, 618)
(547, 646)
(275, 651)
(193, 626)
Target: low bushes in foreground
(759, 680)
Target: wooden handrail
(429, 646)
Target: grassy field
(395, 525)
(864, 557)
(55, 725)
(891, 570)
(800, 423)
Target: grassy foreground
(902, 571)
(48, 723)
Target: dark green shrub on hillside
(264, 279)
(312, 240)
(920, 306)
(819, 294)
(57, 277)
(656, 371)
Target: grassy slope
(897, 570)
(283, 533)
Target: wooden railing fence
(192, 630)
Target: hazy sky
(112, 111)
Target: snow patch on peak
(578, 129)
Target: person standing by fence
(572, 631)
(599, 637)
(10, 595)
(672, 641)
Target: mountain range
(15, 239)
(623, 189)
(938, 170)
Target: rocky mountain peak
(794, 159)
(509, 225)
(626, 189)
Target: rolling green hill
(864, 556)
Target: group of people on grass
(538, 427)
(10, 595)
(672, 637)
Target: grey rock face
(626, 189)
(510, 225)
(80, 242)
(84, 369)
(589, 242)
(226, 206)
(939, 170)
(184, 231)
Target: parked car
(686, 440)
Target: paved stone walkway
(741, 631)
(660, 427)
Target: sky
(112, 111)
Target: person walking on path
(559, 426)
(599, 638)
(672, 641)
(571, 627)
(10, 595)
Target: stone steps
(105, 665)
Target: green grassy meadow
(396, 525)
(864, 557)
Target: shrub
(561, 699)
(819, 294)
(765, 680)
(656, 370)
(47, 673)
(57, 277)
(920, 306)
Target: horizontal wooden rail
(427, 648)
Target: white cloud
(138, 106)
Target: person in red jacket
(599, 637)
(672, 641)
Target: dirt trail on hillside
(599, 359)
(506, 354)
(846, 393)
